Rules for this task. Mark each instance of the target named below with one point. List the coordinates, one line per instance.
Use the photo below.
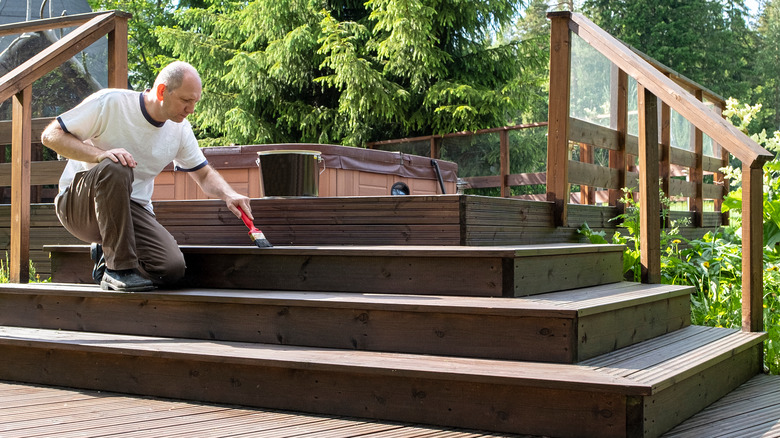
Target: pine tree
(349, 72)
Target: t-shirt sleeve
(190, 157)
(84, 120)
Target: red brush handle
(246, 220)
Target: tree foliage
(767, 88)
(708, 41)
(144, 54)
(350, 72)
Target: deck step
(561, 327)
(752, 410)
(488, 271)
(626, 393)
(679, 368)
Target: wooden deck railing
(658, 162)
(17, 85)
(685, 98)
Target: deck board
(39, 411)
(368, 363)
(753, 410)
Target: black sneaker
(96, 253)
(127, 280)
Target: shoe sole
(110, 287)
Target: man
(117, 142)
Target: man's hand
(118, 155)
(236, 201)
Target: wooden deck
(753, 410)
(418, 330)
(442, 220)
(39, 411)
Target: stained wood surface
(424, 270)
(752, 250)
(654, 371)
(362, 362)
(752, 410)
(19, 265)
(503, 396)
(41, 172)
(33, 410)
(690, 349)
(444, 220)
(558, 119)
(649, 198)
(559, 327)
(580, 302)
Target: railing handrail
(371, 144)
(51, 57)
(678, 77)
(54, 22)
(654, 85)
(696, 112)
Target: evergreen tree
(767, 90)
(344, 71)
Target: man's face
(180, 103)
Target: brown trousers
(97, 208)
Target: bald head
(174, 74)
(176, 91)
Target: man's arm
(69, 146)
(212, 183)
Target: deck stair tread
(583, 301)
(362, 362)
(531, 250)
(752, 410)
(495, 271)
(662, 361)
(562, 327)
(650, 366)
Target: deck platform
(39, 411)
(751, 411)
(441, 220)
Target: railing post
(697, 173)
(19, 269)
(619, 113)
(665, 162)
(587, 193)
(752, 249)
(504, 163)
(117, 53)
(649, 200)
(435, 143)
(558, 116)
(720, 179)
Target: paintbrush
(255, 234)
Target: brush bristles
(260, 240)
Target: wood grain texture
(19, 269)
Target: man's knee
(115, 173)
(166, 272)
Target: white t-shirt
(114, 118)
